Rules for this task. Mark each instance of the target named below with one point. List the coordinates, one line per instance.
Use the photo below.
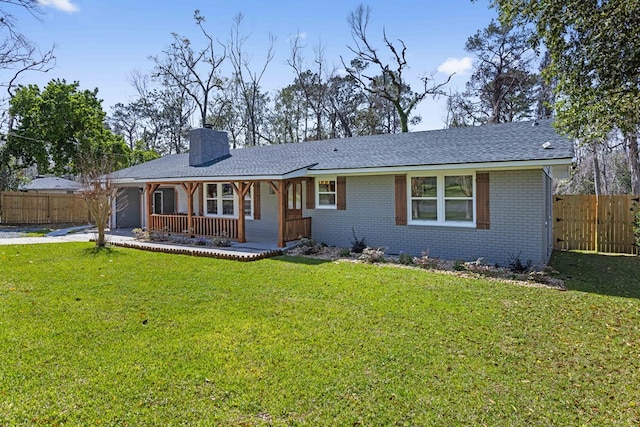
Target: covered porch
(236, 202)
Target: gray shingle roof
(52, 183)
(509, 142)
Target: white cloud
(300, 35)
(63, 5)
(456, 65)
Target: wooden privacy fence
(43, 208)
(603, 224)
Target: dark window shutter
(401, 200)
(341, 193)
(482, 201)
(256, 201)
(311, 193)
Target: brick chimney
(206, 146)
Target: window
(221, 200)
(458, 198)
(228, 202)
(326, 193)
(294, 200)
(294, 196)
(440, 199)
(212, 199)
(248, 204)
(424, 198)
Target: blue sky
(100, 43)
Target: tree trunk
(404, 117)
(596, 173)
(634, 161)
(101, 241)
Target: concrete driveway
(16, 236)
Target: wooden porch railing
(297, 228)
(207, 226)
(169, 223)
(202, 225)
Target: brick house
(460, 193)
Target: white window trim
(317, 184)
(441, 199)
(236, 202)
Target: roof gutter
(488, 166)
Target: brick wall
(517, 221)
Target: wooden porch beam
(273, 187)
(242, 188)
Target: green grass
(605, 274)
(125, 337)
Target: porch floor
(258, 247)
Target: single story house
(462, 193)
(52, 184)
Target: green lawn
(138, 338)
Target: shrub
(221, 240)
(405, 259)
(308, 246)
(517, 266)
(201, 241)
(159, 235)
(182, 240)
(310, 250)
(344, 253)
(425, 261)
(140, 234)
(357, 245)
(459, 266)
(307, 241)
(372, 255)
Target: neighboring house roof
(52, 183)
(499, 143)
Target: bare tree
(289, 115)
(126, 120)
(17, 53)
(392, 86)
(313, 82)
(248, 81)
(161, 116)
(98, 191)
(194, 71)
(461, 111)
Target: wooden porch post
(201, 206)
(150, 189)
(241, 188)
(282, 200)
(190, 188)
(242, 238)
(281, 191)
